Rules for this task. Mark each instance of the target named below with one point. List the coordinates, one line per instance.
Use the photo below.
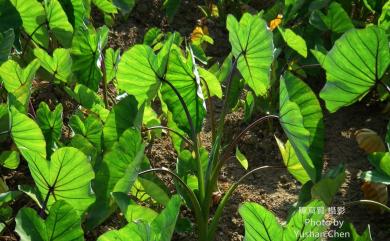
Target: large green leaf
(14, 76)
(117, 173)
(357, 61)
(303, 222)
(140, 71)
(67, 176)
(62, 224)
(126, 156)
(51, 124)
(58, 22)
(302, 121)
(26, 134)
(336, 20)
(60, 65)
(33, 17)
(161, 228)
(180, 76)
(87, 47)
(252, 44)
(137, 73)
(6, 41)
(260, 224)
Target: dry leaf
(376, 192)
(369, 141)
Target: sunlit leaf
(354, 65)
(62, 224)
(252, 44)
(67, 176)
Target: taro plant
(88, 162)
(183, 87)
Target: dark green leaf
(86, 50)
(121, 117)
(50, 123)
(7, 39)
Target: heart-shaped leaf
(33, 17)
(336, 20)
(357, 61)
(58, 23)
(50, 123)
(252, 44)
(87, 47)
(262, 225)
(14, 76)
(91, 128)
(180, 76)
(60, 65)
(67, 176)
(62, 224)
(137, 73)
